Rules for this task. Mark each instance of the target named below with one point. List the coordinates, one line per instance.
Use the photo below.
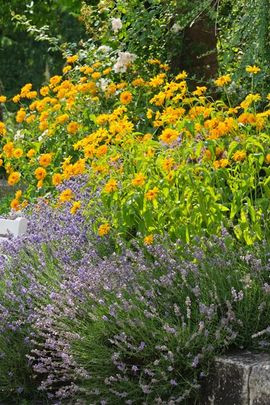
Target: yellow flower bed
(161, 158)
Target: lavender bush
(33, 270)
(152, 341)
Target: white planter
(15, 227)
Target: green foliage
(244, 39)
(154, 28)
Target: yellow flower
(31, 94)
(104, 229)
(125, 97)
(16, 98)
(253, 69)
(14, 178)
(110, 186)
(101, 150)
(224, 163)
(152, 194)
(267, 158)
(66, 195)
(157, 80)
(223, 80)
(148, 240)
(55, 80)
(138, 82)
(40, 173)
(138, 180)
(199, 90)
(40, 184)
(61, 119)
(73, 127)
(149, 113)
(239, 156)
(72, 59)
(30, 118)
(181, 76)
(76, 205)
(96, 75)
(3, 99)
(107, 71)
(15, 204)
(167, 164)
(31, 153)
(66, 69)
(18, 194)
(169, 135)
(17, 153)
(56, 179)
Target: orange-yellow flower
(139, 180)
(239, 156)
(152, 194)
(57, 179)
(148, 240)
(17, 153)
(169, 135)
(125, 97)
(66, 195)
(3, 99)
(224, 163)
(110, 186)
(15, 204)
(8, 149)
(223, 80)
(45, 159)
(96, 75)
(72, 59)
(20, 116)
(14, 178)
(3, 130)
(104, 229)
(101, 150)
(73, 127)
(267, 158)
(40, 173)
(44, 91)
(31, 153)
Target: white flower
(19, 135)
(103, 83)
(176, 28)
(123, 61)
(116, 24)
(104, 49)
(43, 135)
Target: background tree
(23, 59)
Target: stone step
(238, 379)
